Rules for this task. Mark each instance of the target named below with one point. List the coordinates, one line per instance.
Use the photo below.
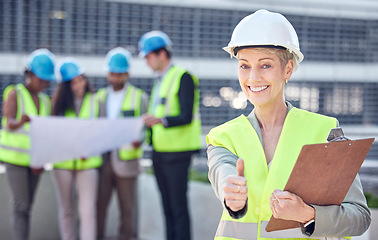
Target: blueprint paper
(55, 139)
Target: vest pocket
(129, 113)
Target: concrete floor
(44, 224)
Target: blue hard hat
(152, 41)
(118, 60)
(68, 69)
(41, 62)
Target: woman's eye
(244, 66)
(265, 66)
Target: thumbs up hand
(235, 188)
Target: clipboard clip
(336, 135)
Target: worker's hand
(24, 119)
(13, 124)
(136, 144)
(150, 120)
(37, 171)
(288, 206)
(235, 189)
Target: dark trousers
(23, 184)
(171, 172)
(126, 192)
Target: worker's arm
(10, 112)
(222, 163)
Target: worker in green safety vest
(22, 102)
(121, 167)
(250, 158)
(75, 98)
(175, 129)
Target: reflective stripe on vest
(15, 144)
(89, 109)
(239, 230)
(179, 138)
(239, 137)
(249, 231)
(131, 107)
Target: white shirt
(114, 102)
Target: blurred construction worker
(121, 166)
(173, 117)
(22, 102)
(75, 98)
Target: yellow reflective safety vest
(131, 107)
(239, 137)
(179, 138)
(89, 109)
(15, 144)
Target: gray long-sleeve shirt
(352, 218)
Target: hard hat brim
(298, 54)
(49, 78)
(142, 54)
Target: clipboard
(323, 174)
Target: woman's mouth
(257, 89)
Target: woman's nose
(253, 75)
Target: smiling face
(262, 76)
(36, 84)
(78, 86)
(117, 80)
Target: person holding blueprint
(23, 102)
(120, 169)
(74, 98)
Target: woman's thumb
(240, 167)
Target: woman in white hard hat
(74, 98)
(251, 157)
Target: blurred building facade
(339, 76)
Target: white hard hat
(264, 28)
